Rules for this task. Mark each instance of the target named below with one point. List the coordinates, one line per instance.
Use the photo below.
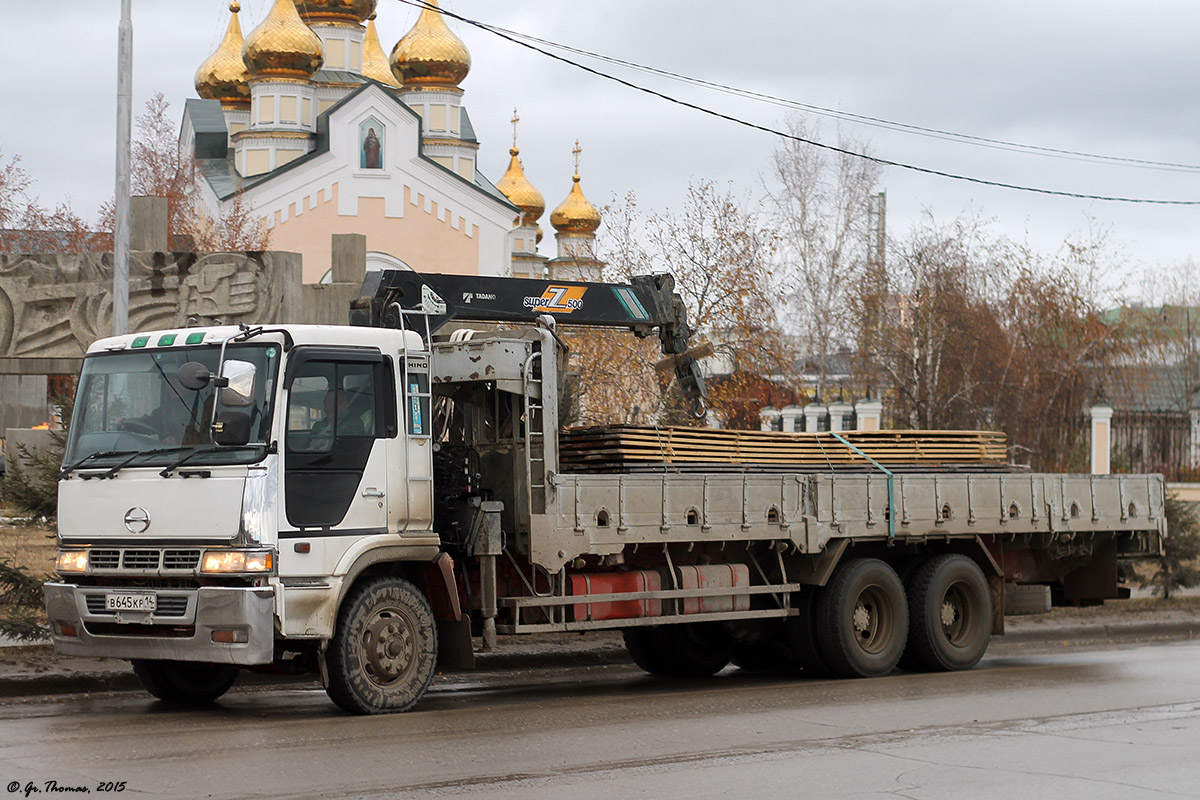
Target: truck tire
(950, 614)
(185, 683)
(800, 636)
(1023, 599)
(645, 648)
(384, 652)
(690, 650)
(862, 619)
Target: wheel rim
(872, 620)
(958, 615)
(389, 646)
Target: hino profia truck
(366, 502)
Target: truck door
(341, 405)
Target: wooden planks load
(623, 446)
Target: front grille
(181, 559)
(104, 559)
(144, 559)
(168, 606)
(95, 605)
(171, 606)
(141, 559)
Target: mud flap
(455, 651)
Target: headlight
(71, 561)
(237, 561)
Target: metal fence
(1153, 441)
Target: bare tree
(160, 169)
(819, 205)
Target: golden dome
(374, 62)
(539, 234)
(352, 11)
(430, 54)
(223, 75)
(520, 192)
(282, 46)
(575, 214)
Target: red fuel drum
(709, 576)
(616, 583)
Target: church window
(437, 118)
(287, 109)
(455, 112)
(266, 108)
(335, 54)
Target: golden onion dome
(374, 62)
(430, 54)
(223, 75)
(351, 11)
(575, 214)
(282, 46)
(519, 191)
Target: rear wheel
(800, 635)
(384, 653)
(694, 649)
(185, 683)
(862, 619)
(950, 613)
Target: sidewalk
(32, 670)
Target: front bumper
(180, 630)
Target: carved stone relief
(54, 306)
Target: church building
(321, 133)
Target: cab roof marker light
(141, 341)
(195, 338)
(166, 340)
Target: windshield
(133, 402)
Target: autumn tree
(26, 226)
(818, 202)
(160, 169)
(719, 253)
(611, 375)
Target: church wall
(423, 234)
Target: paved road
(1109, 723)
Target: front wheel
(384, 653)
(185, 683)
(862, 619)
(950, 613)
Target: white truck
(357, 501)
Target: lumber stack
(619, 447)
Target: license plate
(130, 602)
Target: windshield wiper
(212, 448)
(67, 470)
(134, 457)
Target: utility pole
(124, 137)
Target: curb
(523, 658)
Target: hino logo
(137, 520)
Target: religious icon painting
(370, 139)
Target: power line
(865, 119)
(785, 135)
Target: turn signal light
(224, 636)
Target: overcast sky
(1098, 76)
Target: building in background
(322, 133)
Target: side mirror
(193, 375)
(232, 428)
(238, 390)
